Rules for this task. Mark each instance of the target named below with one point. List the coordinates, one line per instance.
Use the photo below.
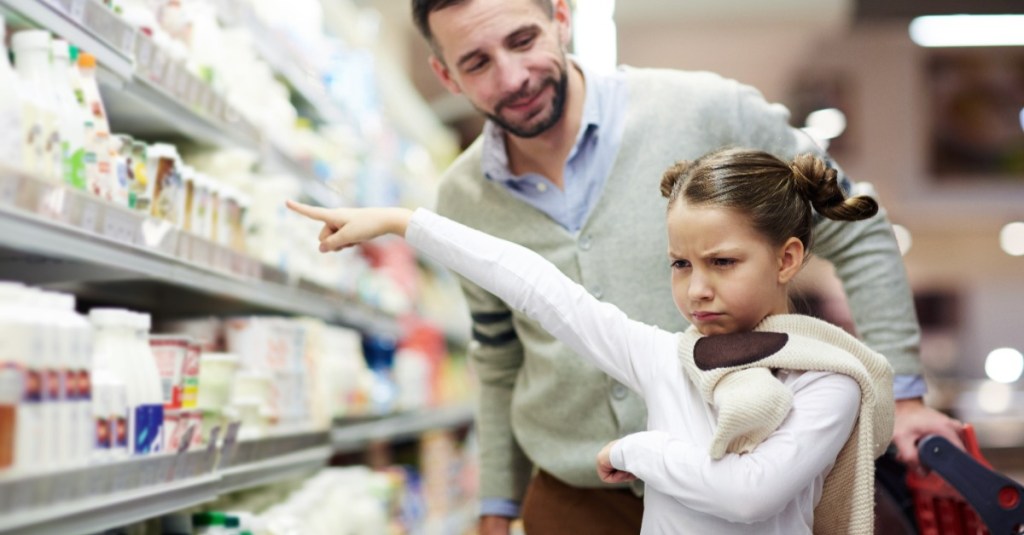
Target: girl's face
(726, 276)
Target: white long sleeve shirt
(772, 490)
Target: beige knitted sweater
(734, 374)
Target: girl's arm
(758, 485)
(598, 331)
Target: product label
(119, 425)
(104, 432)
(33, 386)
(170, 361)
(69, 384)
(190, 377)
(32, 139)
(84, 385)
(76, 169)
(165, 196)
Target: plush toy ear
(736, 349)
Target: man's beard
(557, 109)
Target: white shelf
(273, 47)
(93, 241)
(86, 24)
(347, 437)
(273, 469)
(148, 95)
(96, 498)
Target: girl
(759, 421)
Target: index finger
(312, 212)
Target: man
(568, 165)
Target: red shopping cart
(962, 495)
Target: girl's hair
(776, 196)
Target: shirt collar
(495, 156)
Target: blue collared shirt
(589, 163)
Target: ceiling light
(1004, 365)
(968, 30)
(1011, 239)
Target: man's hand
(914, 421)
(494, 525)
(607, 472)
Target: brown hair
(776, 196)
(421, 10)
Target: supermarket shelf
(273, 47)
(96, 498)
(348, 437)
(103, 512)
(99, 497)
(87, 24)
(273, 469)
(141, 108)
(92, 240)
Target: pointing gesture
(345, 227)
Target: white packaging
(12, 148)
(148, 375)
(31, 59)
(110, 417)
(71, 119)
(216, 373)
(162, 169)
(15, 343)
(114, 352)
(170, 353)
(46, 344)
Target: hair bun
(819, 184)
(673, 175)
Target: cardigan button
(586, 241)
(619, 391)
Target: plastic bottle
(12, 148)
(112, 362)
(58, 399)
(98, 175)
(75, 350)
(163, 170)
(72, 120)
(148, 375)
(120, 160)
(44, 356)
(32, 61)
(141, 185)
(20, 351)
(14, 336)
(91, 92)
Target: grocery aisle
(172, 358)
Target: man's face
(507, 57)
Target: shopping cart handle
(997, 499)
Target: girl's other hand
(607, 472)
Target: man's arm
(497, 356)
(867, 260)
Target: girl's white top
(772, 490)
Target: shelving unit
(53, 235)
(100, 497)
(70, 241)
(354, 436)
(157, 97)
